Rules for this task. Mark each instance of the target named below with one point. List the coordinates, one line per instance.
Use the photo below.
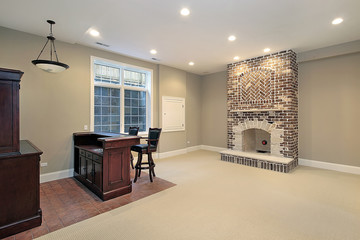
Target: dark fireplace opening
(256, 140)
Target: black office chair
(133, 131)
(150, 147)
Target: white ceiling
(134, 27)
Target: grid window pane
(135, 111)
(116, 107)
(142, 102)
(142, 111)
(105, 101)
(97, 120)
(134, 115)
(107, 109)
(105, 128)
(136, 79)
(115, 92)
(107, 74)
(126, 127)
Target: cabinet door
(89, 170)
(97, 180)
(82, 166)
(9, 116)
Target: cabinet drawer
(88, 155)
(97, 158)
(82, 152)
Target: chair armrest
(152, 140)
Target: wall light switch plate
(85, 127)
(43, 164)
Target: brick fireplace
(262, 100)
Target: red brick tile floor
(67, 201)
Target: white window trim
(149, 122)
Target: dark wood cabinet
(89, 170)
(97, 174)
(9, 111)
(19, 164)
(102, 162)
(90, 166)
(83, 167)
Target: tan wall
(53, 106)
(172, 82)
(178, 83)
(193, 110)
(329, 113)
(214, 110)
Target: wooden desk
(102, 162)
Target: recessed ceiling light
(94, 33)
(185, 11)
(191, 63)
(231, 38)
(236, 58)
(337, 21)
(267, 50)
(153, 51)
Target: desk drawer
(97, 158)
(88, 155)
(82, 152)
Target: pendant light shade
(51, 65)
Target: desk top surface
(101, 136)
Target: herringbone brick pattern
(255, 86)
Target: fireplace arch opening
(256, 140)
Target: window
(120, 97)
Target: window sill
(140, 134)
(143, 134)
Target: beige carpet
(220, 200)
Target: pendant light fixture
(50, 65)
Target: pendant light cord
(52, 45)
(42, 49)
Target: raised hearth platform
(259, 160)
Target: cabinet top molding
(10, 74)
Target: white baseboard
(47, 177)
(186, 150)
(172, 153)
(212, 148)
(330, 166)
(194, 148)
